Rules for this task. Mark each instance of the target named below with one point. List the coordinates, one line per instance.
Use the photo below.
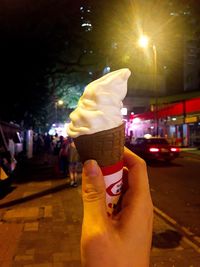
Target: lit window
(174, 14)
(86, 24)
(106, 70)
(114, 45)
(124, 111)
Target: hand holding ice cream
(125, 239)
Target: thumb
(93, 191)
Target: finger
(93, 193)
(137, 173)
(135, 180)
(136, 216)
(137, 199)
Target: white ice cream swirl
(99, 108)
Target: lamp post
(144, 43)
(155, 89)
(58, 103)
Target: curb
(189, 237)
(188, 154)
(35, 195)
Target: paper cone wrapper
(107, 148)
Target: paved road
(175, 190)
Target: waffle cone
(106, 147)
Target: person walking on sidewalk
(73, 163)
(48, 149)
(64, 157)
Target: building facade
(178, 121)
(191, 65)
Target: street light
(143, 42)
(58, 103)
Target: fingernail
(91, 168)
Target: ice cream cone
(98, 130)
(106, 147)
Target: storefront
(179, 122)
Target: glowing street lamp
(58, 103)
(143, 42)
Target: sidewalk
(190, 153)
(40, 226)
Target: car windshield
(155, 141)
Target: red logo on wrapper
(115, 188)
(113, 181)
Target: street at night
(82, 81)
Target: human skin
(123, 240)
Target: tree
(42, 43)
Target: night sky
(31, 38)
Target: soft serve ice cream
(98, 130)
(99, 108)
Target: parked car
(154, 148)
(10, 148)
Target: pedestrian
(63, 157)
(39, 144)
(47, 148)
(58, 144)
(73, 163)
